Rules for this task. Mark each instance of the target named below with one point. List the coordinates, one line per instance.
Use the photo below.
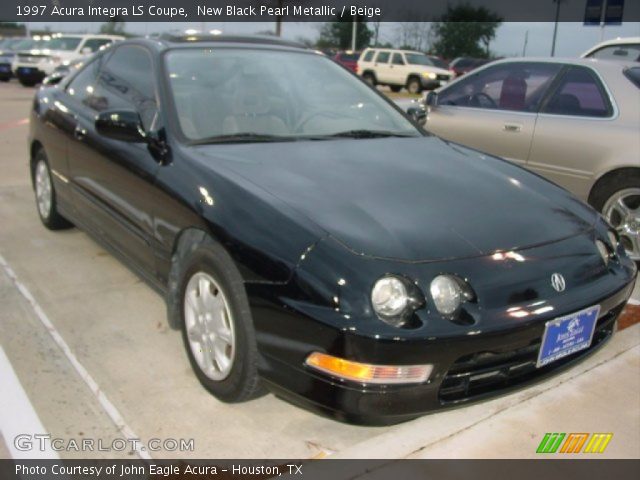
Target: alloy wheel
(622, 211)
(209, 326)
(44, 191)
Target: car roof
(596, 63)
(168, 40)
(395, 50)
(614, 41)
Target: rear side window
(397, 59)
(383, 57)
(580, 93)
(368, 56)
(619, 52)
(633, 74)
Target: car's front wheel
(27, 83)
(46, 194)
(414, 85)
(216, 323)
(618, 198)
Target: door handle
(512, 127)
(79, 132)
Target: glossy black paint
(312, 225)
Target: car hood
(411, 199)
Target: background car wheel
(618, 199)
(216, 322)
(414, 85)
(46, 194)
(4, 79)
(27, 83)
(395, 88)
(369, 77)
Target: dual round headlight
(394, 298)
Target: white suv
(401, 68)
(31, 66)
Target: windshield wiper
(243, 137)
(370, 134)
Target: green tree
(113, 27)
(337, 34)
(465, 30)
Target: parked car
(349, 59)
(8, 48)
(30, 67)
(309, 238)
(401, 68)
(575, 122)
(439, 62)
(462, 65)
(625, 49)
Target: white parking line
(18, 417)
(106, 404)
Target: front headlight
(389, 297)
(448, 293)
(430, 75)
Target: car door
(494, 109)
(113, 181)
(397, 69)
(568, 140)
(381, 66)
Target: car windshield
(64, 43)
(24, 44)
(418, 59)
(350, 56)
(236, 94)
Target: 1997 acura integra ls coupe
(310, 239)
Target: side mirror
(54, 79)
(417, 114)
(123, 125)
(431, 99)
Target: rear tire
(46, 194)
(215, 319)
(27, 83)
(370, 78)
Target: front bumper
(466, 369)
(432, 84)
(29, 73)
(5, 70)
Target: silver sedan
(574, 121)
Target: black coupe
(310, 239)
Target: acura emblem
(557, 282)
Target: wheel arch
(607, 176)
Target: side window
(383, 57)
(397, 59)
(83, 85)
(368, 56)
(579, 93)
(517, 86)
(126, 81)
(619, 52)
(94, 44)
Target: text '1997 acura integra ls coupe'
(310, 239)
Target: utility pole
(354, 32)
(555, 28)
(526, 40)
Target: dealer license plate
(26, 70)
(566, 335)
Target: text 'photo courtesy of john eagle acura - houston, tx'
(310, 239)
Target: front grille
(29, 58)
(483, 373)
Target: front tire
(46, 194)
(618, 199)
(27, 83)
(414, 85)
(216, 323)
(370, 78)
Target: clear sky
(573, 38)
